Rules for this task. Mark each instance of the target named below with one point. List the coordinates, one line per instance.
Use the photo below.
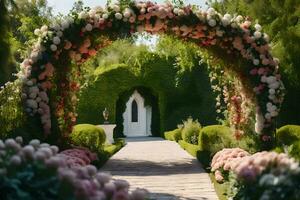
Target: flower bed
(263, 175)
(37, 171)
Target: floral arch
(49, 78)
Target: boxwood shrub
(213, 139)
(191, 148)
(174, 135)
(89, 136)
(287, 135)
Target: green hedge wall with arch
(179, 95)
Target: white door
(135, 117)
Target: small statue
(105, 116)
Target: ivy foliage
(5, 53)
(172, 82)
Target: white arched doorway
(137, 117)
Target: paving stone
(163, 168)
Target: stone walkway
(163, 168)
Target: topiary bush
(174, 135)
(213, 139)
(191, 130)
(89, 136)
(287, 135)
(294, 150)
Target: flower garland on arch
(74, 38)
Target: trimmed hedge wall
(191, 148)
(177, 96)
(288, 134)
(211, 140)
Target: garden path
(163, 168)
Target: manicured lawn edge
(108, 151)
(190, 148)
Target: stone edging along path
(163, 168)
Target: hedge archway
(49, 77)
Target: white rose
(116, 8)
(34, 56)
(83, 15)
(266, 37)
(268, 116)
(225, 21)
(263, 79)
(59, 33)
(181, 12)
(118, 16)
(211, 11)
(255, 61)
(32, 103)
(271, 79)
(257, 27)
(272, 91)
(175, 11)
(37, 31)
(89, 27)
(53, 47)
(32, 95)
(269, 104)
(233, 25)
(271, 97)
(212, 22)
(56, 40)
(274, 85)
(127, 14)
(257, 34)
(105, 15)
(92, 13)
(228, 17)
(44, 28)
(239, 18)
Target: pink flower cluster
(250, 167)
(86, 182)
(247, 167)
(225, 159)
(78, 157)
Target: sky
(63, 6)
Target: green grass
(220, 188)
(108, 151)
(190, 148)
